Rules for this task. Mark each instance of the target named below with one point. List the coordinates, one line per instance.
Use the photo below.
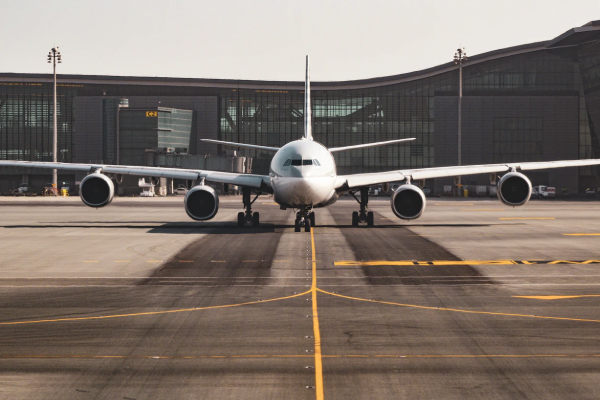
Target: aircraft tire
(312, 219)
(241, 219)
(255, 219)
(307, 225)
(370, 218)
(355, 218)
(297, 226)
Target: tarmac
(136, 301)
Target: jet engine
(202, 203)
(514, 189)
(96, 190)
(408, 202)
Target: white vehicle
(24, 188)
(544, 192)
(181, 189)
(147, 188)
(303, 177)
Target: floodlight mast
(459, 58)
(53, 58)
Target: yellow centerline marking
(417, 263)
(154, 261)
(186, 261)
(581, 234)
(527, 218)
(122, 261)
(91, 261)
(557, 297)
(250, 261)
(216, 261)
(458, 309)
(316, 330)
(154, 312)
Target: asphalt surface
(136, 301)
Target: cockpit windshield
(301, 162)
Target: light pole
(54, 57)
(459, 58)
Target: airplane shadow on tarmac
(227, 228)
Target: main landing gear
(248, 216)
(362, 216)
(304, 218)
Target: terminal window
(518, 139)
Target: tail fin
(307, 108)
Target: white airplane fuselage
(303, 174)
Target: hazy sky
(267, 39)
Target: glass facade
(147, 129)
(536, 102)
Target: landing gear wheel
(255, 219)
(297, 225)
(241, 219)
(311, 216)
(355, 218)
(370, 218)
(307, 225)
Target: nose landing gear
(305, 218)
(363, 215)
(248, 216)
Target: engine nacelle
(514, 189)
(408, 202)
(201, 203)
(96, 190)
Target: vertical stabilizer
(307, 108)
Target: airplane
(303, 177)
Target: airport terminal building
(534, 102)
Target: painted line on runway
(250, 261)
(154, 261)
(316, 329)
(91, 261)
(460, 310)
(557, 297)
(581, 234)
(405, 263)
(122, 261)
(522, 218)
(154, 312)
(186, 261)
(217, 261)
(261, 356)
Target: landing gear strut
(248, 216)
(304, 218)
(363, 215)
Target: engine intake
(202, 203)
(408, 202)
(514, 189)
(96, 190)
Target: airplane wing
(261, 182)
(233, 144)
(347, 182)
(374, 144)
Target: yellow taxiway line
(153, 312)
(316, 330)
(458, 310)
(550, 297)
